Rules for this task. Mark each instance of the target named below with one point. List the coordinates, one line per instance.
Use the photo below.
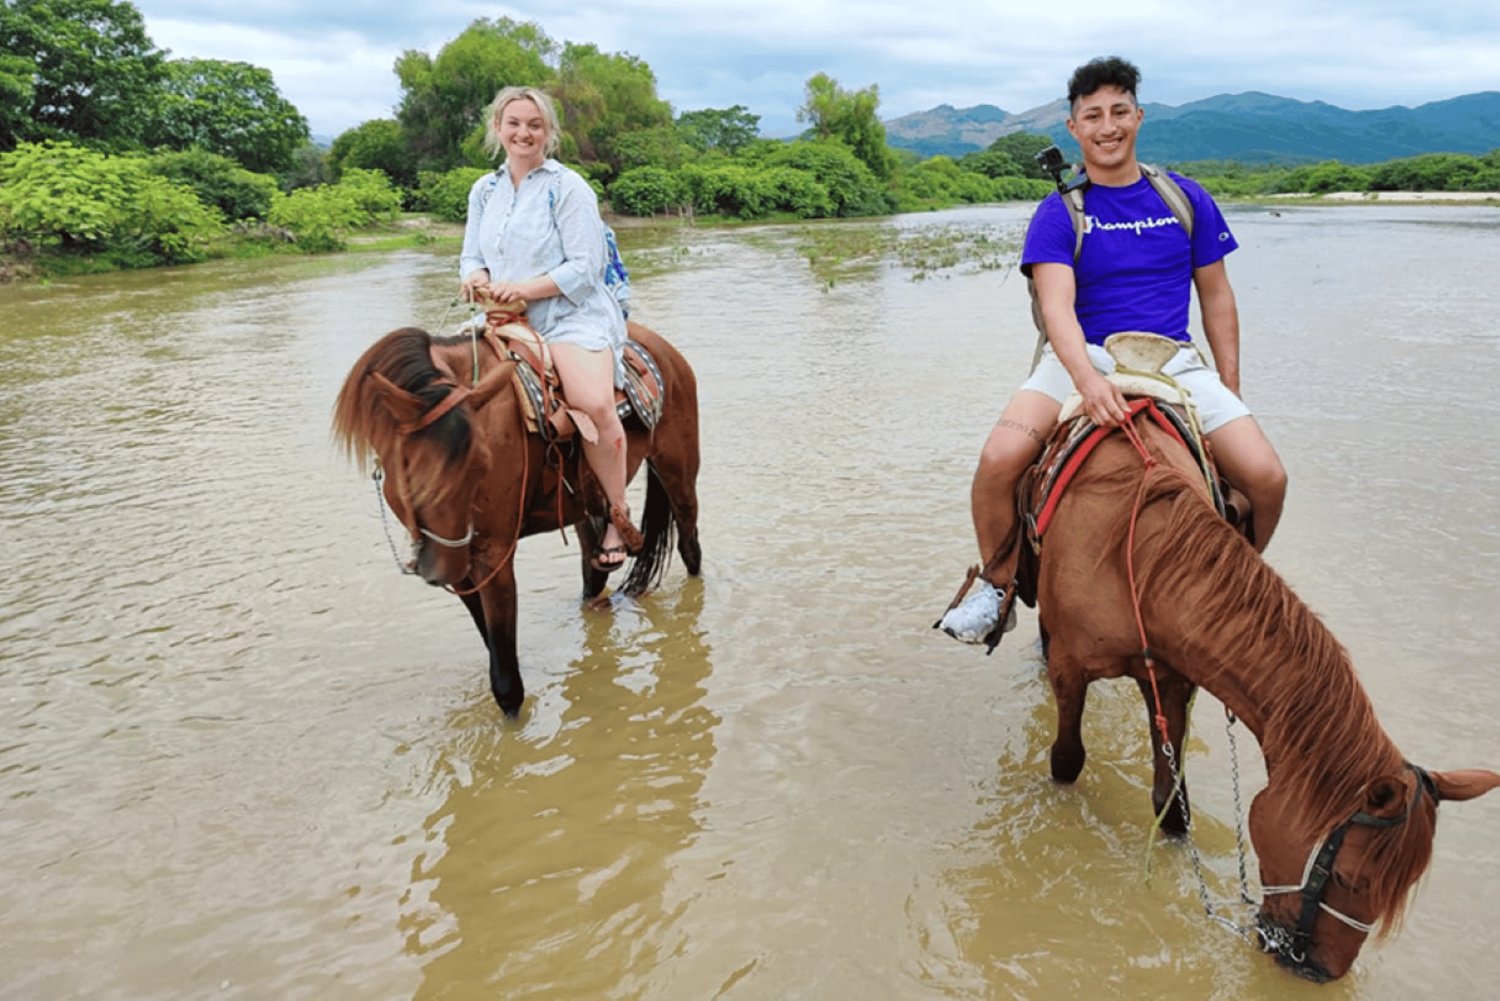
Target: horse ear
(1386, 797)
(1468, 783)
(491, 385)
(403, 406)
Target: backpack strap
(1073, 202)
(1171, 192)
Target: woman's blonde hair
(497, 107)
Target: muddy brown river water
(241, 757)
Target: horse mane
(365, 426)
(1320, 730)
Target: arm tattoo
(1036, 435)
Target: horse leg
(1069, 687)
(474, 605)
(588, 541)
(499, 608)
(1175, 694)
(677, 472)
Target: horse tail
(658, 527)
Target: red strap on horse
(1086, 447)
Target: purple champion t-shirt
(1135, 270)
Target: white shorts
(1215, 404)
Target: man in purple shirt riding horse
(1134, 269)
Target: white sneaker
(974, 618)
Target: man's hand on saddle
(1102, 401)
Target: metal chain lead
(385, 525)
(1203, 894)
(1239, 808)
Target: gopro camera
(1051, 160)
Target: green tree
(725, 129)
(605, 97)
(850, 117)
(93, 72)
(646, 191)
(853, 189)
(443, 98)
(57, 194)
(991, 163)
(375, 145)
(1022, 148)
(661, 146)
(230, 108)
(217, 181)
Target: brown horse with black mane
(443, 419)
(1344, 827)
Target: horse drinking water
(1139, 576)
(447, 425)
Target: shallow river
(242, 757)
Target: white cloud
(333, 59)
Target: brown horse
(468, 480)
(1341, 802)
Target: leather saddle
(543, 398)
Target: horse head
(404, 408)
(1326, 890)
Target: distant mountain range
(1251, 127)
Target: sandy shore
(1398, 196)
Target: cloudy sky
(333, 58)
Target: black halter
(1320, 870)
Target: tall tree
(726, 129)
(605, 96)
(443, 98)
(374, 145)
(849, 116)
(230, 108)
(1022, 147)
(93, 71)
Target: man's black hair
(1105, 71)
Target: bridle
(456, 394)
(1319, 870)
(481, 392)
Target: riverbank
(1391, 197)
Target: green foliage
(729, 189)
(320, 218)
(446, 195)
(218, 181)
(850, 117)
(992, 163)
(645, 191)
(659, 146)
(605, 97)
(1022, 148)
(1431, 172)
(727, 130)
(61, 195)
(309, 168)
(938, 182)
(374, 145)
(230, 108)
(852, 187)
(443, 98)
(76, 69)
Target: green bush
(730, 189)
(218, 181)
(446, 195)
(644, 191)
(318, 218)
(853, 189)
(55, 194)
(799, 193)
(372, 192)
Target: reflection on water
(555, 840)
(245, 758)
